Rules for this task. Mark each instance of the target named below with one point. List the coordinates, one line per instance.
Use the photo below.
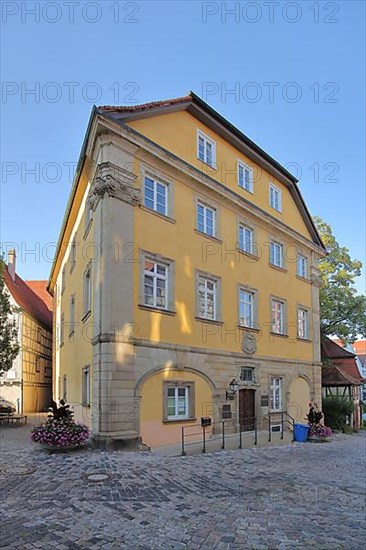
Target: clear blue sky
(311, 118)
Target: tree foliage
(9, 347)
(342, 310)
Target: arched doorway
(299, 398)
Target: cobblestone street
(294, 496)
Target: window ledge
(87, 229)
(252, 329)
(279, 334)
(276, 209)
(175, 420)
(157, 309)
(305, 279)
(278, 268)
(86, 316)
(304, 339)
(248, 254)
(211, 321)
(213, 165)
(155, 213)
(87, 405)
(207, 236)
(251, 191)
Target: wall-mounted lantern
(233, 388)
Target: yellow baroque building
(185, 281)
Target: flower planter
(60, 448)
(60, 434)
(319, 439)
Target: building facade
(28, 384)
(187, 259)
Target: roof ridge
(146, 105)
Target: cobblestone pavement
(294, 496)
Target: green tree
(9, 347)
(342, 310)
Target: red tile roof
(145, 106)
(334, 375)
(360, 347)
(40, 288)
(332, 350)
(341, 365)
(33, 300)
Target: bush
(336, 410)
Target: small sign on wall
(264, 400)
(226, 411)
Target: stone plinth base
(111, 442)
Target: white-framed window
(276, 253)
(156, 195)
(246, 307)
(155, 283)
(72, 315)
(276, 394)
(85, 388)
(178, 402)
(275, 197)
(62, 329)
(206, 219)
(87, 291)
(302, 266)
(246, 239)
(72, 254)
(278, 316)
(207, 298)
(206, 149)
(245, 176)
(247, 374)
(302, 323)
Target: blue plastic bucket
(301, 432)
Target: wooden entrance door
(246, 409)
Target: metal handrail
(201, 430)
(255, 429)
(285, 418)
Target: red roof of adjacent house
(334, 375)
(31, 296)
(342, 365)
(40, 288)
(360, 347)
(333, 350)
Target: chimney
(11, 263)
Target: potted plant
(318, 433)
(60, 433)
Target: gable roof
(206, 114)
(30, 297)
(212, 119)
